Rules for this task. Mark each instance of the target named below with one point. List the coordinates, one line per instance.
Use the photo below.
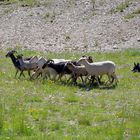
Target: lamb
(77, 71)
(100, 68)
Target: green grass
(30, 3)
(121, 7)
(53, 110)
(132, 15)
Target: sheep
(58, 67)
(99, 68)
(90, 60)
(26, 65)
(77, 71)
(15, 62)
(46, 71)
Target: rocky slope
(71, 25)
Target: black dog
(136, 67)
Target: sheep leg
(21, 73)
(43, 75)
(82, 80)
(29, 73)
(96, 77)
(86, 78)
(16, 73)
(70, 78)
(47, 76)
(109, 79)
(35, 75)
(114, 77)
(92, 79)
(54, 76)
(40, 74)
(73, 77)
(75, 80)
(99, 78)
(60, 76)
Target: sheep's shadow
(102, 87)
(88, 87)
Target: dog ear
(138, 64)
(134, 64)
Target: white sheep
(100, 68)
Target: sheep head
(50, 61)
(10, 53)
(82, 61)
(88, 58)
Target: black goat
(136, 67)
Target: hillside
(70, 25)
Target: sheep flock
(85, 69)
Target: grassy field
(40, 110)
